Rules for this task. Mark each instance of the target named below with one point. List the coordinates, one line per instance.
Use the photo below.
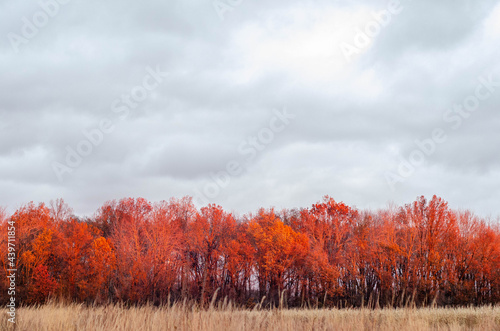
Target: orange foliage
(330, 254)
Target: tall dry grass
(64, 317)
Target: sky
(250, 104)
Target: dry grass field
(107, 318)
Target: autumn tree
(127, 222)
(240, 260)
(34, 232)
(280, 254)
(209, 237)
(73, 253)
(329, 227)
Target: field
(107, 318)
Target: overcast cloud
(326, 121)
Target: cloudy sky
(250, 103)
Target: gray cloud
(354, 121)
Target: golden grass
(66, 317)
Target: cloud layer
(220, 83)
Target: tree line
(134, 251)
